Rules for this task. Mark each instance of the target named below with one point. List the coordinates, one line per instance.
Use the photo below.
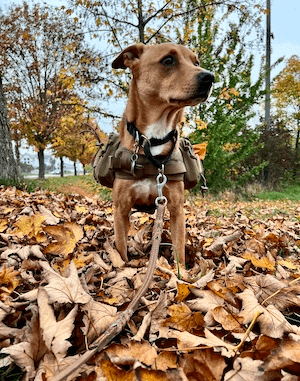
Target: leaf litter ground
(233, 314)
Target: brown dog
(165, 79)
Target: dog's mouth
(193, 100)
(202, 90)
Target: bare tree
(8, 167)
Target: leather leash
(115, 328)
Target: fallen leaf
(246, 369)
(64, 290)
(31, 227)
(129, 353)
(228, 321)
(3, 225)
(50, 219)
(114, 255)
(98, 317)
(55, 333)
(205, 363)
(9, 280)
(263, 262)
(183, 292)
(183, 319)
(271, 322)
(285, 356)
(66, 236)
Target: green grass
(83, 184)
(86, 185)
(291, 192)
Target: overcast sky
(285, 19)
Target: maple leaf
(3, 225)
(27, 354)
(64, 290)
(8, 280)
(183, 319)
(206, 300)
(200, 150)
(49, 367)
(262, 262)
(246, 369)
(229, 321)
(66, 236)
(31, 227)
(98, 318)
(187, 340)
(21, 354)
(285, 356)
(55, 333)
(271, 322)
(131, 352)
(50, 219)
(205, 363)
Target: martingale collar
(146, 144)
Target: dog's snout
(206, 77)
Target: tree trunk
(17, 153)
(8, 166)
(61, 167)
(75, 169)
(141, 24)
(296, 163)
(41, 158)
(84, 171)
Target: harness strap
(146, 144)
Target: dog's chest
(144, 191)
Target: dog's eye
(197, 63)
(168, 61)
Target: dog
(165, 79)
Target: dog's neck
(153, 119)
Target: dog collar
(146, 144)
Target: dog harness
(131, 165)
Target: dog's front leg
(177, 219)
(122, 207)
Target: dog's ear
(128, 56)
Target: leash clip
(133, 160)
(161, 181)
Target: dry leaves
(234, 315)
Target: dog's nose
(206, 77)
(205, 80)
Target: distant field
(291, 192)
(85, 184)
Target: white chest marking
(144, 188)
(157, 130)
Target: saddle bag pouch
(192, 162)
(104, 173)
(113, 158)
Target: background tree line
(55, 65)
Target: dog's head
(167, 73)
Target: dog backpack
(102, 169)
(104, 164)
(193, 164)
